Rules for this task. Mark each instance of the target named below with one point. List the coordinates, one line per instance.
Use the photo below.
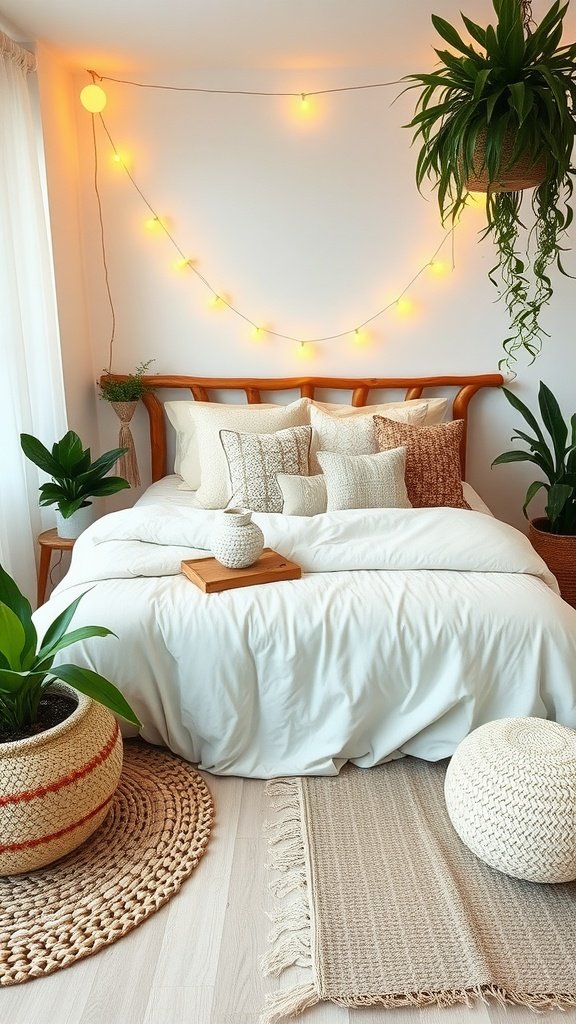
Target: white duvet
(409, 628)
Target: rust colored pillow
(433, 475)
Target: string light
(217, 300)
(302, 96)
(93, 98)
(404, 305)
(438, 268)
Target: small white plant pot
(76, 523)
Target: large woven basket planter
(512, 177)
(56, 787)
(559, 553)
(511, 793)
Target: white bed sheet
(408, 629)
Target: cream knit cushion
(511, 795)
(352, 432)
(365, 481)
(186, 454)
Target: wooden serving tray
(208, 574)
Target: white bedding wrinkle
(408, 628)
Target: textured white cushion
(302, 495)
(210, 418)
(186, 457)
(254, 460)
(352, 434)
(365, 481)
(432, 410)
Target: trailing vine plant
(483, 113)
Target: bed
(409, 627)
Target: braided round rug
(152, 839)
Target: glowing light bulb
(182, 263)
(360, 337)
(257, 334)
(93, 98)
(304, 103)
(153, 224)
(305, 350)
(404, 306)
(215, 301)
(438, 268)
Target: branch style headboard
(203, 389)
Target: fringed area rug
(153, 837)
(384, 904)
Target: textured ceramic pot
(236, 541)
(56, 787)
(76, 523)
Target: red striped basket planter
(56, 787)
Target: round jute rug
(153, 837)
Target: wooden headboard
(202, 389)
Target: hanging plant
(501, 119)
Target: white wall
(310, 225)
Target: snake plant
(512, 87)
(556, 461)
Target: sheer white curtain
(31, 386)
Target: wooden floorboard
(196, 960)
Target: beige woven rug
(151, 840)
(384, 904)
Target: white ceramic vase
(76, 523)
(236, 541)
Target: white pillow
(302, 495)
(353, 434)
(432, 410)
(365, 481)
(186, 458)
(209, 418)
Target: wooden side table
(49, 541)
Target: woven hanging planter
(127, 463)
(515, 176)
(559, 552)
(56, 787)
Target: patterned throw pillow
(254, 460)
(433, 475)
(302, 495)
(353, 434)
(365, 481)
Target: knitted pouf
(511, 795)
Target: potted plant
(75, 478)
(502, 118)
(554, 535)
(60, 748)
(124, 393)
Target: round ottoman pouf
(511, 796)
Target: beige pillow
(433, 474)
(431, 409)
(210, 418)
(302, 495)
(255, 460)
(365, 481)
(186, 457)
(351, 435)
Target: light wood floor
(195, 961)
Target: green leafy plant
(514, 97)
(126, 389)
(75, 478)
(26, 672)
(557, 461)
